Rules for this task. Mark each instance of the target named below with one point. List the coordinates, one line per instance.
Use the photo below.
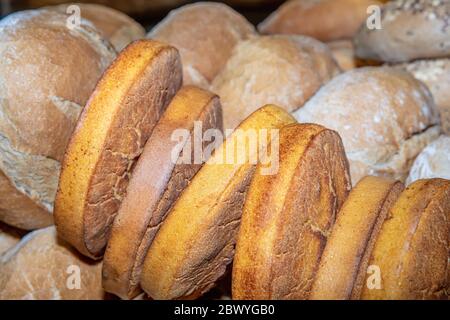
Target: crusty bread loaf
(384, 116)
(205, 34)
(326, 20)
(9, 236)
(108, 139)
(46, 75)
(42, 267)
(343, 266)
(156, 183)
(432, 162)
(283, 70)
(435, 73)
(410, 29)
(412, 249)
(115, 26)
(196, 241)
(288, 216)
(344, 54)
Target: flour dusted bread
(205, 34)
(288, 216)
(412, 248)
(433, 161)
(158, 179)
(114, 25)
(196, 241)
(9, 236)
(108, 139)
(343, 265)
(384, 116)
(283, 70)
(42, 267)
(61, 67)
(326, 20)
(410, 29)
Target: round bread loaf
(343, 266)
(326, 20)
(436, 75)
(410, 29)
(42, 267)
(196, 242)
(114, 25)
(9, 236)
(47, 73)
(412, 249)
(108, 139)
(288, 216)
(432, 162)
(384, 116)
(158, 179)
(283, 70)
(205, 34)
(344, 54)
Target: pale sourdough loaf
(410, 29)
(9, 236)
(42, 267)
(205, 34)
(196, 242)
(283, 70)
(384, 116)
(108, 139)
(156, 182)
(432, 162)
(114, 25)
(289, 215)
(343, 266)
(412, 248)
(325, 20)
(47, 73)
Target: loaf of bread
(344, 54)
(344, 262)
(412, 248)
(288, 216)
(432, 162)
(156, 182)
(326, 20)
(47, 73)
(283, 70)
(196, 242)
(205, 34)
(115, 26)
(435, 73)
(410, 29)
(42, 267)
(384, 116)
(108, 139)
(9, 236)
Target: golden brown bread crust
(412, 249)
(287, 217)
(196, 241)
(344, 54)
(344, 262)
(326, 20)
(154, 186)
(108, 139)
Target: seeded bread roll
(156, 182)
(412, 249)
(9, 236)
(114, 25)
(47, 73)
(344, 54)
(326, 20)
(205, 34)
(109, 137)
(432, 162)
(410, 29)
(283, 70)
(384, 116)
(343, 265)
(42, 267)
(288, 216)
(196, 242)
